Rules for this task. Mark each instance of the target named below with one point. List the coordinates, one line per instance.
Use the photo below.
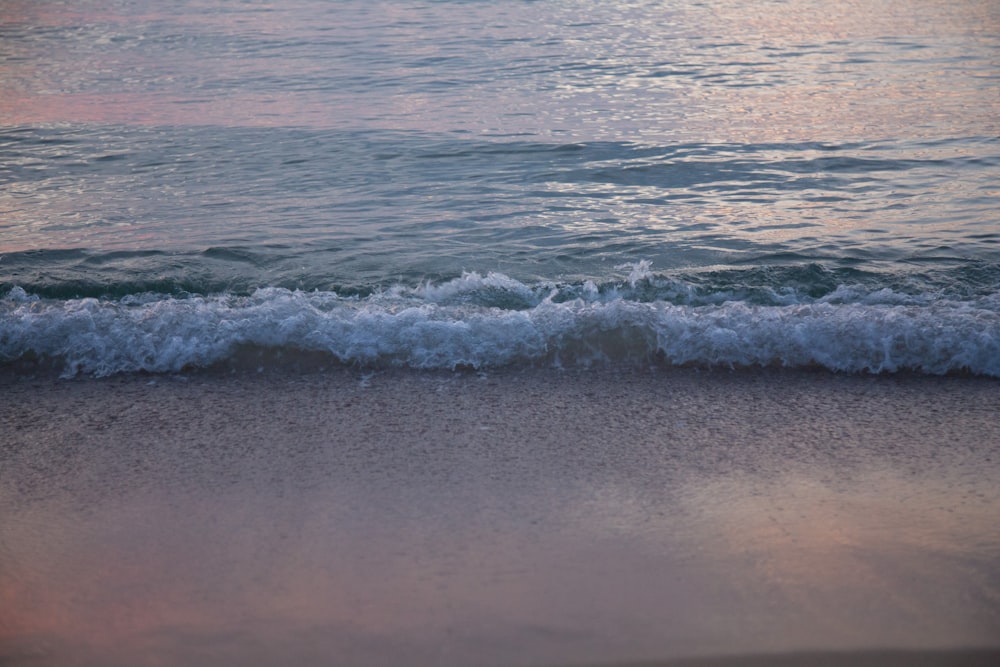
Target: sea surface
(492, 183)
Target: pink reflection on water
(762, 75)
(103, 74)
(247, 110)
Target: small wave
(489, 321)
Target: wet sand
(517, 518)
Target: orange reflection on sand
(816, 539)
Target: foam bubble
(428, 327)
(639, 271)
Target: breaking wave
(490, 321)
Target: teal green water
(629, 155)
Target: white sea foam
(641, 270)
(429, 328)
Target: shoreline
(519, 517)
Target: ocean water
(493, 183)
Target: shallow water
(791, 148)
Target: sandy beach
(524, 517)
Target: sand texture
(515, 518)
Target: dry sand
(514, 518)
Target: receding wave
(490, 321)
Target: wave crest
(494, 321)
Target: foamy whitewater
(477, 185)
(493, 321)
